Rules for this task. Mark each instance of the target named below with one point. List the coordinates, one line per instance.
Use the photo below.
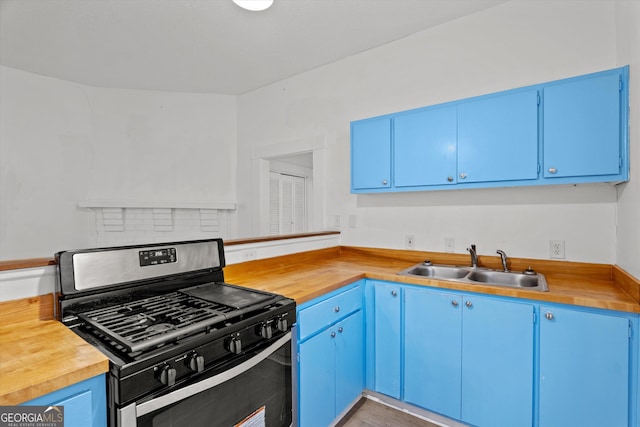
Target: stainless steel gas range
(185, 348)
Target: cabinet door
(584, 369)
(582, 127)
(371, 153)
(85, 403)
(497, 362)
(424, 147)
(432, 356)
(317, 380)
(387, 340)
(498, 137)
(349, 360)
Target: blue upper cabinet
(371, 154)
(424, 150)
(498, 137)
(584, 126)
(563, 132)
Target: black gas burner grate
(147, 323)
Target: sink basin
(516, 280)
(476, 276)
(438, 271)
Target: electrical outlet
(248, 255)
(449, 244)
(409, 241)
(556, 249)
(336, 221)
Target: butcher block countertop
(39, 355)
(311, 274)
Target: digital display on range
(157, 256)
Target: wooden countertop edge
(38, 357)
(629, 284)
(31, 391)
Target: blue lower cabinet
(584, 369)
(331, 371)
(85, 403)
(331, 357)
(433, 352)
(317, 380)
(497, 362)
(469, 357)
(349, 355)
(386, 335)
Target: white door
(287, 204)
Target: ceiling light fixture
(254, 5)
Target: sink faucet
(474, 256)
(503, 257)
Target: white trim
(288, 147)
(235, 254)
(158, 205)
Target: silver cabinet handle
(384, 182)
(336, 309)
(450, 178)
(549, 315)
(340, 329)
(394, 293)
(469, 304)
(553, 170)
(463, 175)
(333, 334)
(454, 303)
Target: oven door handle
(183, 393)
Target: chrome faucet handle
(503, 258)
(474, 256)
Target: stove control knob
(167, 375)
(282, 324)
(265, 331)
(235, 345)
(195, 362)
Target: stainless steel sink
(438, 271)
(517, 280)
(470, 275)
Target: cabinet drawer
(328, 311)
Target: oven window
(260, 396)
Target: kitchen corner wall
(628, 212)
(63, 143)
(511, 45)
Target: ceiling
(206, 46)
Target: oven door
(255, 392)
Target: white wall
(63, 143)
(628, 214)
(508, 46)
